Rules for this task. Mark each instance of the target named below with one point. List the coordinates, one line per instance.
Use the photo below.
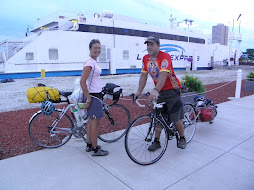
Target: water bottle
(80, 112)
(77, 117)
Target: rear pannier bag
(207, 113)
(38, 94)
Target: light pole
(188, 23)
(237, 37)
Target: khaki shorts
(174, 107)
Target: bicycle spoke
(136, 144)
(50, 137)
(189, 122)
(114, 124)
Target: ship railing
(10, 48)
(219, 64)
(66, 26)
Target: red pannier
(207, 113)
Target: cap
(152, 39)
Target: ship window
(172, 37)
(118, 31)
(125, 54)
(167, 36)
(53, 54)
(126, 31)
(161, 35)
(109, 30)
(140, 33)
(92, 29)
(84, 28)
(29, 56)
(132, 32)
(197, 40)
(137, 33)
(145, 33)
(152, 34)
(108, 54)
(101, 29)
(102, 57)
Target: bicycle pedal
(79, 132)
(77, 135)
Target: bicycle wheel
(140, 136)
(114, 124)
(189, 122)
(43, 133)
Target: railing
(11, 48)
(219, 64)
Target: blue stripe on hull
(75, 73)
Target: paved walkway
(221, 156)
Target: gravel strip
(13, 94)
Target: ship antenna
(172, 21)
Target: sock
(89, 144)
(157, 139)
(183, 137)
(95, 149)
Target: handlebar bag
(112, 91)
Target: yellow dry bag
(38, 94)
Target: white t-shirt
(94, 80)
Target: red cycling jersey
(161, 63)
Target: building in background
(220, 34)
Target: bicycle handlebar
(136, 99)
(155, 104)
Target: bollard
(187, 69)
(42, 73)
(238, 83)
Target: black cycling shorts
(173, 102)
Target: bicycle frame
(154, 115)
(169, 126)
(55, 122)
(69, 107)
(64, 110)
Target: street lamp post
(237, 37)
(188, 23)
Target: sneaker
(181, 143)
(99, 152)
(170, 135)
(154, 146)
(90, 148)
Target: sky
(16, 15)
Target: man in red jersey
(167, 87)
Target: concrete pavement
(220, 156)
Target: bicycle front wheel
(140, 135)
(114, 124)
(189, 122)
(49, 131)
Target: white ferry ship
(59, 45)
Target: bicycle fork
(151, 130)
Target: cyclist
(167, 87)
(90, 83)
